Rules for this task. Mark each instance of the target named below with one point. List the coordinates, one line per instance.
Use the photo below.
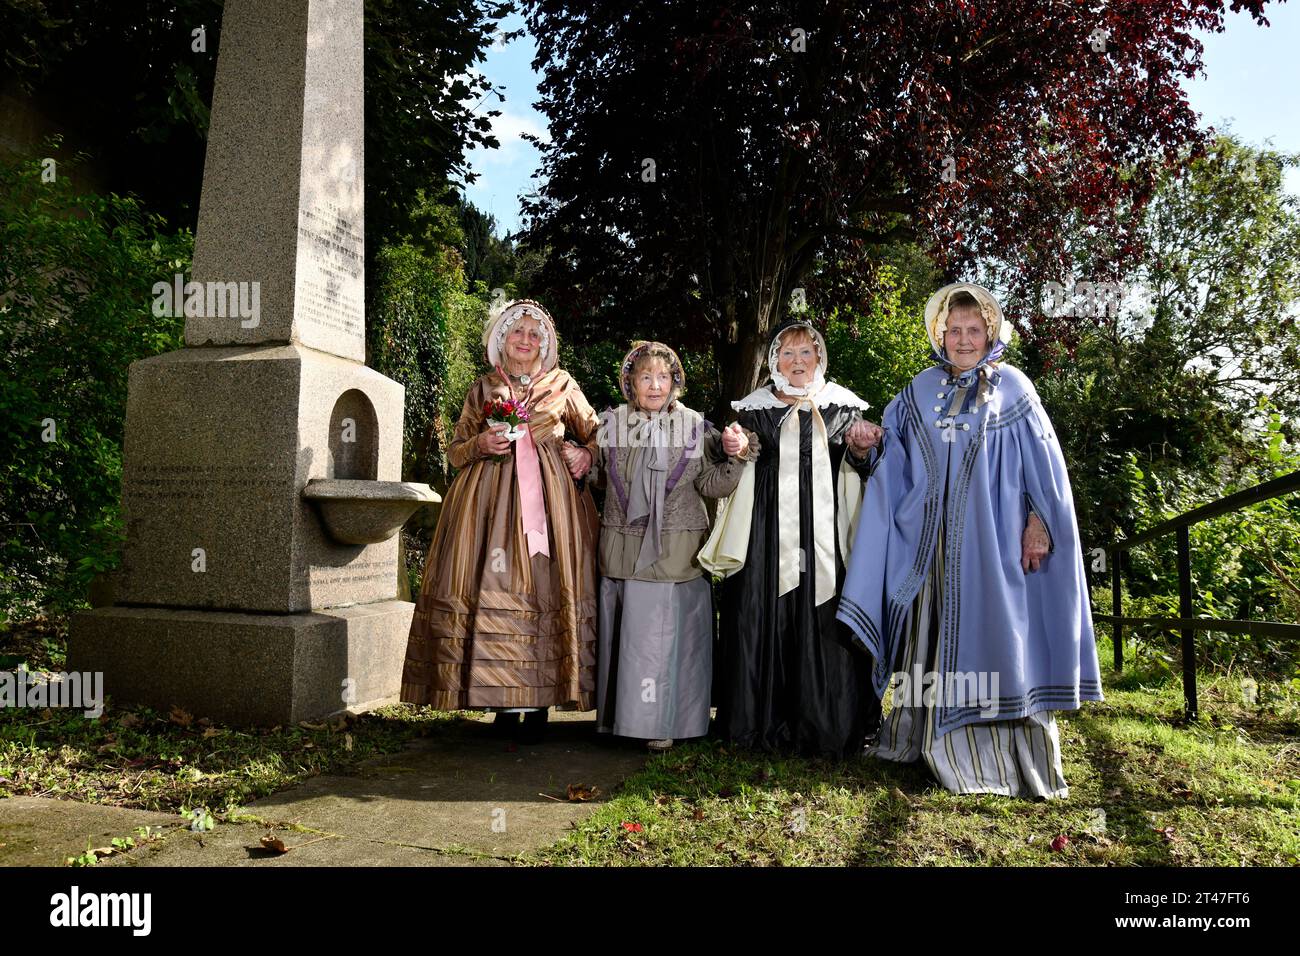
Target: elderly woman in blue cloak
(972, 592)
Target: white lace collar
(829, 394)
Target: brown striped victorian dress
(492, 626)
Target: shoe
(534, 727)
(659, 746)
(505, 725)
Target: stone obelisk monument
(261, 463)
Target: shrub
(76, 278)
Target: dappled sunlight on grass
(1145, 790)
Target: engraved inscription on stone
(355, 572)
(162, 482)
(331, 260)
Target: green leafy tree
(145, 115)
(877, 352)
(1172, 379)
(76, 278)
(703, 157)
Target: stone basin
(356, 511)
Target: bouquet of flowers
(508, 412)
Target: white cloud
(509, 128)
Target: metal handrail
(1187, 622)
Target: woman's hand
(1034, 544)
(735, 443)
(577, 460)
(862, 437)
(492, 441)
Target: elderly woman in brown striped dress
(506, 615)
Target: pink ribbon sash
(532, 504)
(528, 476)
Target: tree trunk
(740, 363)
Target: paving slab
(461, 798)
(239, 844)
(39, 831)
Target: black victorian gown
(791, 680)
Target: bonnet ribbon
(648, 468)
(983, 376)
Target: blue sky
(505, 173)
(1252, 84)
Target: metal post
(1185, 612)
(1116, 608)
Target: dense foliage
(76, 273)
(782, 180)
(703, 158)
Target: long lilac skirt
(654, 658)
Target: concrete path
(464, 797)
(35, 831)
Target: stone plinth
(262, 669)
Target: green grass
(1222, 792)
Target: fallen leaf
(1059, 842)
(632, 827)
(274, 843)
(347, 741)
(180, 717)
(698, 814)
(211, 732)
(663, 800)
(899, 795)
(128, 721)
(580, 792)
(1166, 832)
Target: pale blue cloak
(1002, 458)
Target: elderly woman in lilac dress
(658, 460)
(972, 592)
